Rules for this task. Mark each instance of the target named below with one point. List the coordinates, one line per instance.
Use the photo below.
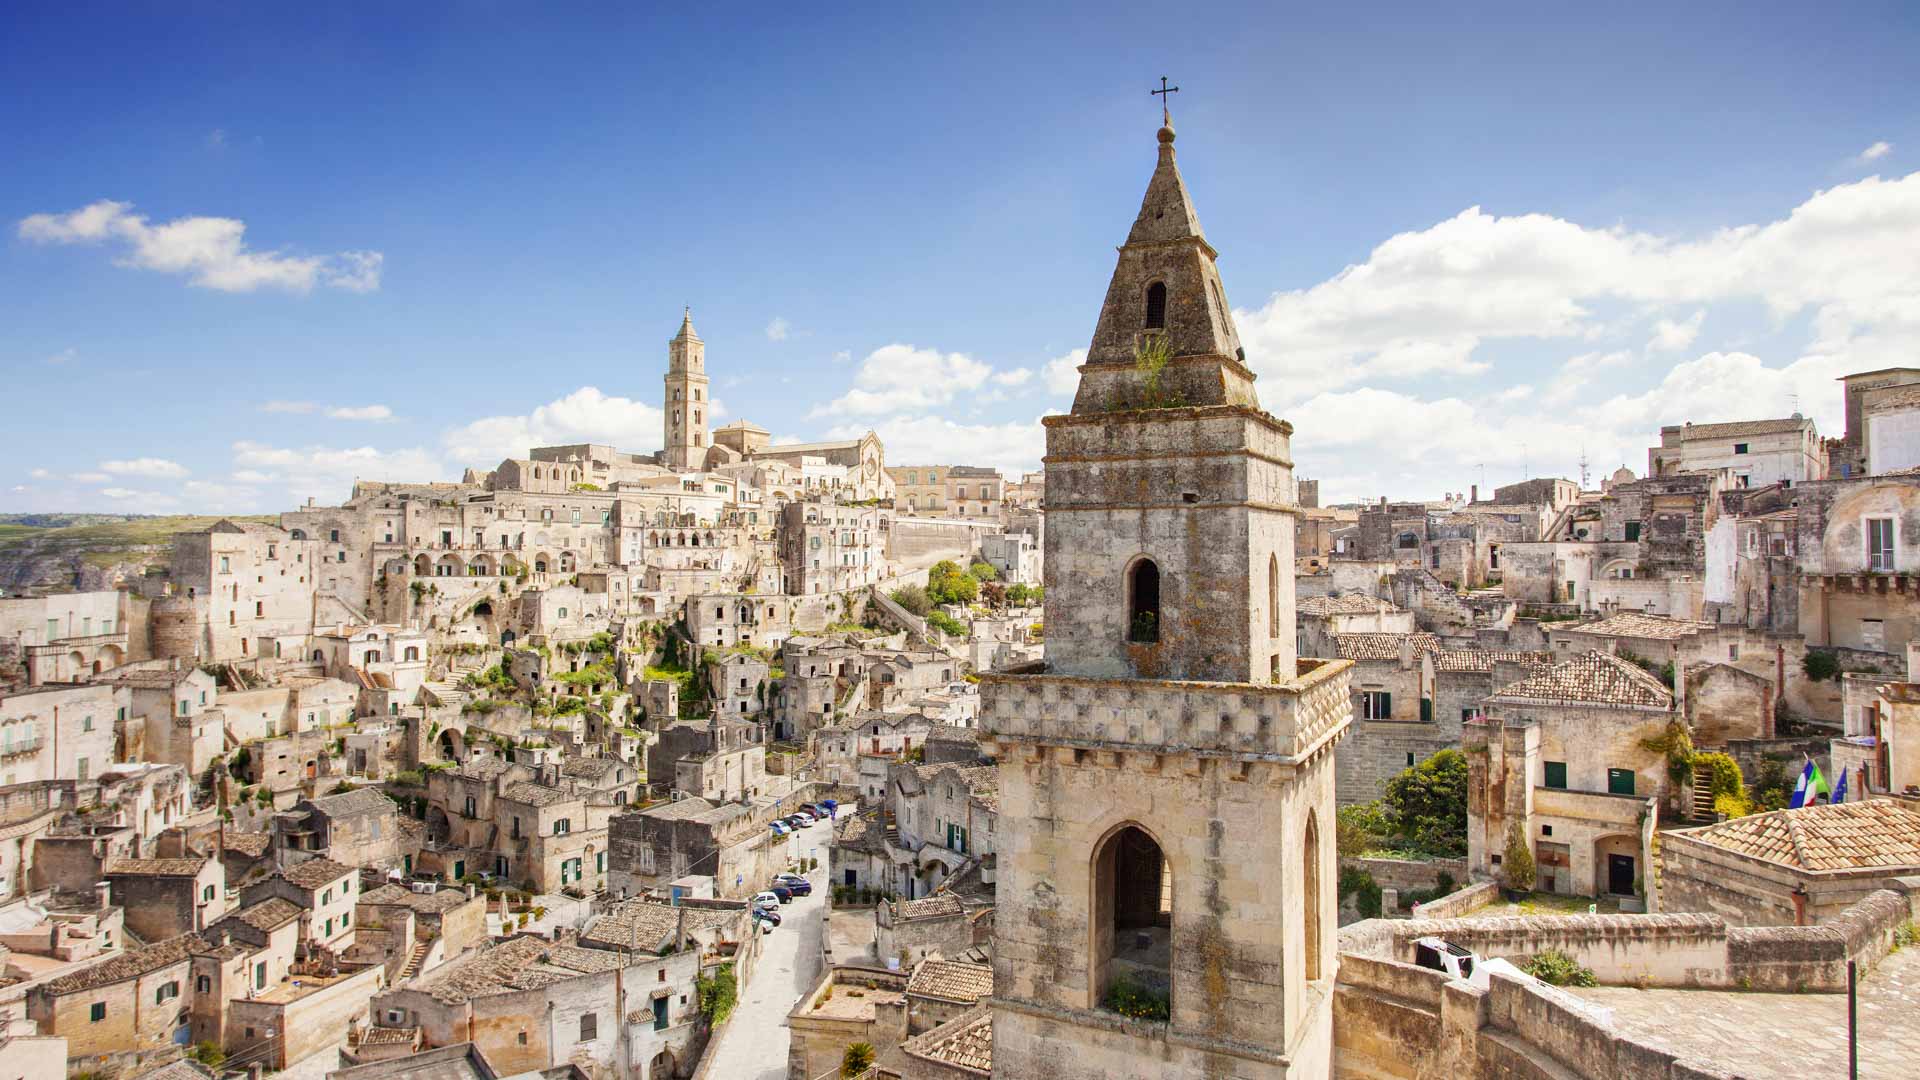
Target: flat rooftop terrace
(1760, 1036)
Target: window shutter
(1386, 706)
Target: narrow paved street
(754, 1045)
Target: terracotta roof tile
(316, 873)
(1348, 604)
(1379, 646)
(964, 1043)
(156, 867)
(1634, 624)
(1744, 427)
(1849, 836)
(938, 906)
(1481, 661)
(951, 980)
(1592, 678)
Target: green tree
(1519, 860)
(914, 599)
(858, 1059)
(981, 570)
(1426, 805)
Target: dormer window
(1157, 306)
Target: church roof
(1166, 213)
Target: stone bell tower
(1167, 890)
(686, 405)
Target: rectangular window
(1376, 705)
(260, 975)
(1879, 544)
(1633, 531)
(98, 1012)
(333, 536)
(225, 565)
(659, 1014)
(589, 1027)
(1739, 448)
(1556, 774)
(1619, 781)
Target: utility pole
(1853, 1034)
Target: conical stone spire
(1165, 297)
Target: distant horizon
(246, 273)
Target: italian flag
(1810, 786)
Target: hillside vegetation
(87, 551)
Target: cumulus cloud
(210, 251)
(325, 472)
(900, 378)
(1425, 302)
(1062, 373)
(1015, 377)
(296, 407)
(1672, 336)
(159, 468)
(584, 416)
(91, 478)
(39, 474)
(1013, 448)
(778, 329)
(1875, 152)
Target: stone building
(1864, 391)
(179, 707)
(728, 761)
(1789, 867)
(1859, 562)
(975, 492)
(251, 588)
(165, 898)
(1167, 781)
(1393, 712)
(354, 828)
(1321, 619)
(60, 731)
(738, 685)
(1755, 452)
(920, 489)
(325, 892)
(829, 547)
(729, 842)
(1562, 757)
(71, 637)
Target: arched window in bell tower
(1157, 306)
(1143, 602)
(1132, 924)
(1310, 882)
(1273, 596)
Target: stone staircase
(415, 960)
(1702, 793)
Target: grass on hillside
(141, 532)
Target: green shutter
(1386, 706)
(1556, 774)
(1619, 781)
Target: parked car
(794, 883)
(785, 894)
(768, 919)
(767, 901)
(813, 808)
(795, 821)
(829, 805)
(780, 828)
(766, 926)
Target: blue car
(793, 883)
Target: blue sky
(249, 255)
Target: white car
(766, 901)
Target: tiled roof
(938, 906)
(254, 844)
(650, 925)
(590, 767)
(983, 781)
(526, 791)
(1592, 678)
(1379, 646)
(315, 873)
(359, 801)
(1849, 836)
(1348, 604)
(154, 679)
(1481, 661)
(964, 1043)
(1743, 427)
(269, 914)
(521, 963)
(1633, 624)
(129, 965)
(156, 867)
(482, 768)
(951, 980)
(182, 1069)
(432, 903)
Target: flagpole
(1853, 1038)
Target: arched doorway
(1132, 918)
(1310, 883)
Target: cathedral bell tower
(686, 404)
(1167, 890)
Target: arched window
(1157, 306)
(1132, 916)
(1408, 540)
(1310, 881)
(1143, 602)
(1273, 596)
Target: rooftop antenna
(1583, 468)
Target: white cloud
(212, 251)
(91, 478)
(299, 407)
(159, 468)
(1424, 302)
(778, 329)
(1015, 377)
(1577, 373)
(900, 378)
(586, 415)
(39, 474)
(1063, 372)
(361, 412)
(1875, 152)
(1671, 336)
(1012, 448)
(120, 493)
(325, 472)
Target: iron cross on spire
(1160, 93)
